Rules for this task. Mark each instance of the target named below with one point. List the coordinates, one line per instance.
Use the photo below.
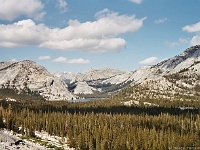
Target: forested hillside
(155, 95)
(98, 125)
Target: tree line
(99, 125)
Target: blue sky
(76, 35)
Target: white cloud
(101, 35)
(148, 60)
(12, 9)
(44, 57)
(192, 28)
(103, 13)
(71, 61)
(22, 33)
(160, 21)
(177, 43)
(195, 40)
(196, 29)
(62, 5)
(14, 60)
(8, 44)
(136, 1)
(60, 59)
(87, 45)
(78, 61)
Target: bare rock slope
(96, 80)
(181, 71)
(29, 76)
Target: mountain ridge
(95, 81)
(187, 63)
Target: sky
(77, 35)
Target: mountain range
(181, 71)
(178, 74)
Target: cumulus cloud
(71, 61)
(136, 1)
(12, 9)
(44, 57)
(160, 21)
(194, 28)
(101, 35)
(62, 5)
(21, 33)
(177, 43)
(148, 60)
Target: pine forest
(107, 124)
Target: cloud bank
(101, 35)
(12, 9)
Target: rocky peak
(28, 75)
(185, 60)
(192, 50)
